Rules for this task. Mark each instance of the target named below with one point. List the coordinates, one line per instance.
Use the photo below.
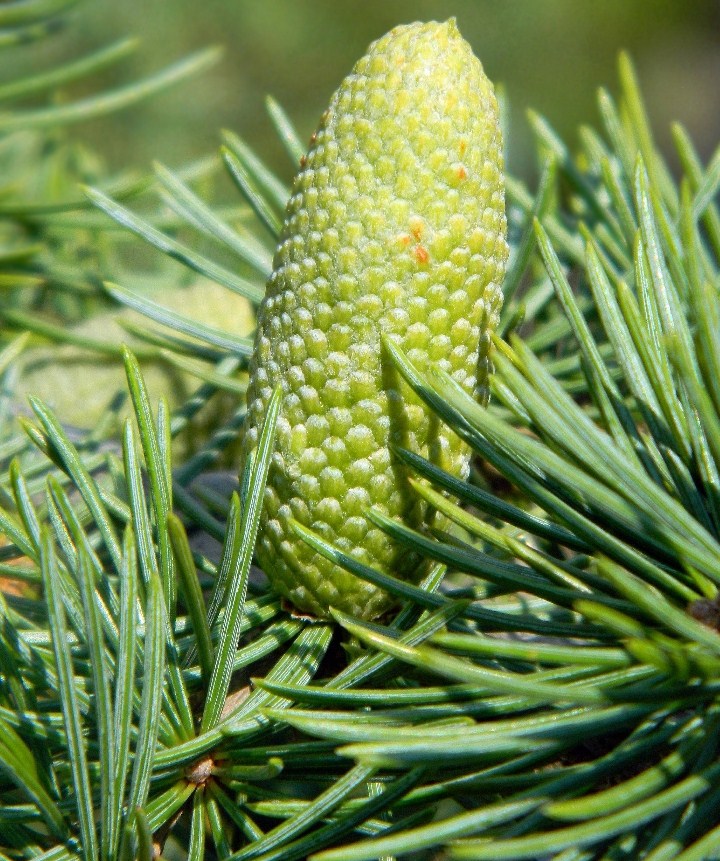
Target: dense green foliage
(555, 695)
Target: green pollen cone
(396, 225)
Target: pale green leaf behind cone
(78, 385)
(395, 226)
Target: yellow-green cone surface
(396, 225)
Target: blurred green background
(550, 54)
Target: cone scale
(395, 226)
